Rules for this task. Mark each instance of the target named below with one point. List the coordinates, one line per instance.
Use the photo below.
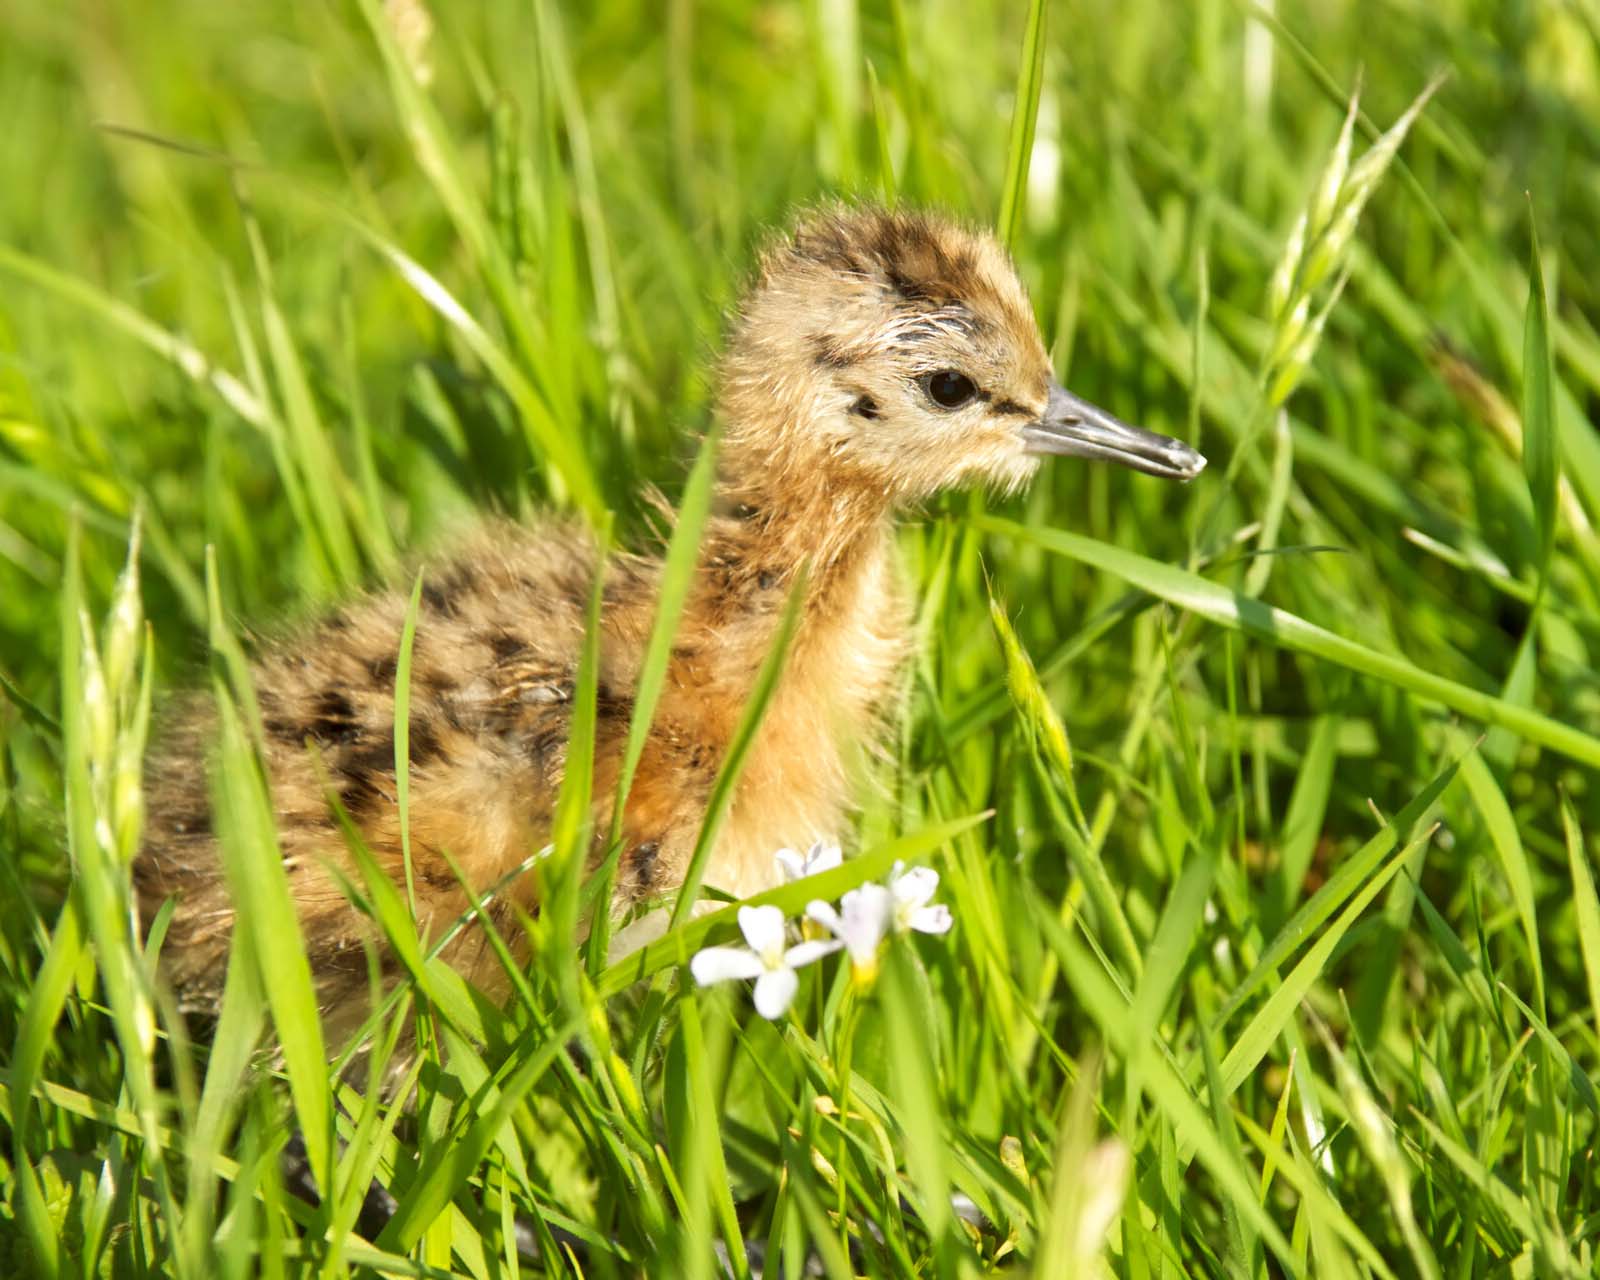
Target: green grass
(1266, 806)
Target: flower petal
(866, 915)
(723, 964)
(825, 915)
(791, 864)
(774, 991)
(867, 902)
(822, 856)
(804, 953)
(934, 919)
(914, 886)
(762, 928)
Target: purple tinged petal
(791, 864)
(913, 888)
(934, 919)
(824, 855)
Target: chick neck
(769, 525)
(777, 514)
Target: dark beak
(1074, 428)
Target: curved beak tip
(1072, 427)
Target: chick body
(879, 357)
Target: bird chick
(878, 358)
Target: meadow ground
(1265, 806)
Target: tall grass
(1265, 806)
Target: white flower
(767, 960)
(863, 918)
(822, 856)
(912, 887)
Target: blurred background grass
(203, 315)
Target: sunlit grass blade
(323, 569)
(1241, 1242)
(1549, 1248)
(1310, 1183)
(259, 885)
(119, 315)
(1257, 1038)
(1165, 1087)
(552, 442)
(312, 454)
(1582, 1086)
(52, 984)
(1088, 1184)
(240, 1021)
(887, 184)
(444, 988)
(402, 735)
(676, 581)
(1375, 1131)
(1168, 954)
(1351, 873)
(433, 1191)
(589, 197)
(739, 744)
(1303, 823)
(1024, 122)
(1585, 905)
(1541, 460)
(549, 440)
(1492, 807)
(1046, 732)
(95, 723)
(1228, 609)
(838, 57)
(922, 1119)
(704, 1164)
(919, 178)
(571, 832)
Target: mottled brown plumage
(879, 358)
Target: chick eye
(949, 388)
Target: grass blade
(188, 358)
(1340, 885)
(1541, 459)
(1303, 823)
(744, 736)
(677, 577)
(1491, 804)
(461, 1156)
(1585, 905)
(1024, 121)
(259, 885)
(402, 735)
(1109, 1012)
(1257, 1038)
(1284, 630)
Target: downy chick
(878, 358)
